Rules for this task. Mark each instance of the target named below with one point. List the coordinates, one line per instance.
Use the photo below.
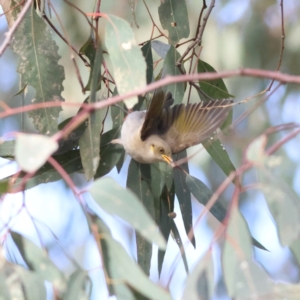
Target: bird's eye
(161, 150)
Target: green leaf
(38, 55)
(38, 261)
(170, 68)
(160, 48)
(129, 272)
(166, 206)
(200, 283)
(71, 162)
(283, 202)
(216, 88)
(126, 57)
(90, 51)
(179, 243)
(117, 114)
(147, 52)
(203, 194)
(90, 141)
(184, 196)
(110, 154)
(79, 286)
(244, 279)
(4, 185)
(7, 149)
(132, 5)
(115, 287)
(173, 17)
(123, 203)
(18, 283)
(33, 284)
(139, 182)
(33, 150)
(219, 154)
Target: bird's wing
(183, 126)
(154, 113)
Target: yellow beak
(168, 159)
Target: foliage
(123, 73)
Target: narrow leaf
(200, 283)
(216, 88)
(203, 194)
(39, 67)
(244, 278)
(79, 286)
(7, 149)
(170, 68)
(126, 57)
(123, 203)
(90, 141)
(147, 52)
(184, 196)
(126, 270)
(283, 202)
(139, 182)
(179, 243)
(219, 154)
(115, 287)
(37, 260)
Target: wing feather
(183, 126)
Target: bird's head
(159, 149)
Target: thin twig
(9, 34)
(70, 47)
(282, 42)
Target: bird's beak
(168, 159)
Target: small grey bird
(154, 135)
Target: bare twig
(282, 42)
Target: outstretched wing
(183, 126)
(159, 102)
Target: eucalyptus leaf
(219, 154)
(94, 54)
(244, 279)
(200, 283)
(126, 57)
(126, 270)
(38, 55)
(79, 286)
(7, 149)
(178, 241)
(184, 195)
(147, 52)
(203, 194)
(283, 202)
(123, 203)
(33, 150)
(116, 287)
(216, 88)
(90, 141)
(139, 182)
(170, 68)
(173, 17)
(37, 260)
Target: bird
(163, 130)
